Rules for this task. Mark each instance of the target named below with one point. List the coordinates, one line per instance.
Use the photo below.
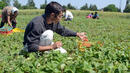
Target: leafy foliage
(93, 7)
(7, 2)
(2, 4)
(17, 4)
(43, 6)
(113, 57)
(127, 2)
(127, 9)
(85, 7)
(64, 6)
(29, 5)
(69, 6)
(111, 8)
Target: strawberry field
(112, 55)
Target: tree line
(31, 5)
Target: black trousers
(13, 24)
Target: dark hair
(53, 7)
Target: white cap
(14, 9)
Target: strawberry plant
(109, 52)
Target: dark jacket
(36, 27)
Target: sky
(78, 3)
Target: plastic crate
(6, 30)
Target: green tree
(65, 7)
(17, 4)
(42, 6)
(2, 5)
(93, 7)
(127, 2)
(29, 5)
(127, 9)
(25, 7)
(85, 7)
(111, 8)
(7, 2)
(69, 6)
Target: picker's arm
(9, 22)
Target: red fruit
(86, 44)
(86, 40)
(101, 44)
